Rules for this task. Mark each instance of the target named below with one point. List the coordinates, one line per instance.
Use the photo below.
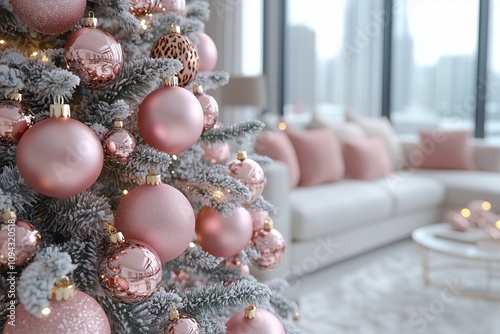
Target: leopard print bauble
(180, 47)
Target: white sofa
(329, 223)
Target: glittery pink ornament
(171, 6)
(80, 314)
(15, 119)
(142, 7)
(158, 215)
(118, 143)
(223, 236)
(26, 240)
(183, 324)
(50, 17)
(271, 246)
(130, 272)
(94, 55)
(249, 173)
(170, 119)
(207, 51)
(256, 321)
(259, 217)
(209, 106)
(60, 156)
(217, 154)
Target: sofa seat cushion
(414, 193)
(328, 208)
(465, 186)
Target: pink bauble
(94, 55)
(217, 154)
(184, 325)
(258, 218)
(245, 270)
(80, 314)
(207, 51)
(15, 119)
(171, 6)
(60, 157)
(130, 272)
(210, 110)
(118, 144)
(223, 236)
(142, 7)
(26, 241)
(50, 17)
(250, 174)
(264, 323)
(457, 221)
(171, 119)
(158, 215)
(271, 246)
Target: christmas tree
(111, 158)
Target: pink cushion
(445, 150)
(343, 131)
(366, 159)
(319, 155)
(277, 146)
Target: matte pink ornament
(264, 323)
(223, 236)
(218, 154)
(15, 119)
(457, 221)
(171, 119)
(60, 157)
(271, 246)
(130, 272)
(249, 173)
(185, 324)
(258, 218)
(142, 7)
(119, 143)
(94, 55)
(81, 314)
(210, 108)
(50, 17)
(158, 215)
(171, 6)
(207, 51)
(27, 240)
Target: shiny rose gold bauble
(254, 321)
(271, 246)
(210, 108)
(249, 173)
(94, 55)
(50, 17)
(171, 6)
(142, 7)
(180, 47)
(26, 240)
(170, 119)
(130, 272)
(182, 324)
(218, 154)
(158, 215)
(207, 51)
(223, 236)
(15, 118)
(81, 314)
(59, 156)
(118, 143)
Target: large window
(492, 95)
(434, 64)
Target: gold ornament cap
(268, 224)
(198, 90)
(174, 29)
(16, 96)
(59, 108)
(63, 289)
(118, 123)
(117, 238)
(171, 80)
(153, 179)
(251, 312)
(241, 155)
(91, 21)
(173, 315)
(9, 214)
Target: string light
(282, 126)
(173, 172)
(218, 194)
(192, 244)
(34, 54)
(125, 192)
(486, 206)
(465, 213)
(46, 311)
(497, 224)
(174, 157)
(2, 42)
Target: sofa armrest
(486, 155)
(277, 192)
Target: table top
(425, 236)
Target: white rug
(389, 297)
